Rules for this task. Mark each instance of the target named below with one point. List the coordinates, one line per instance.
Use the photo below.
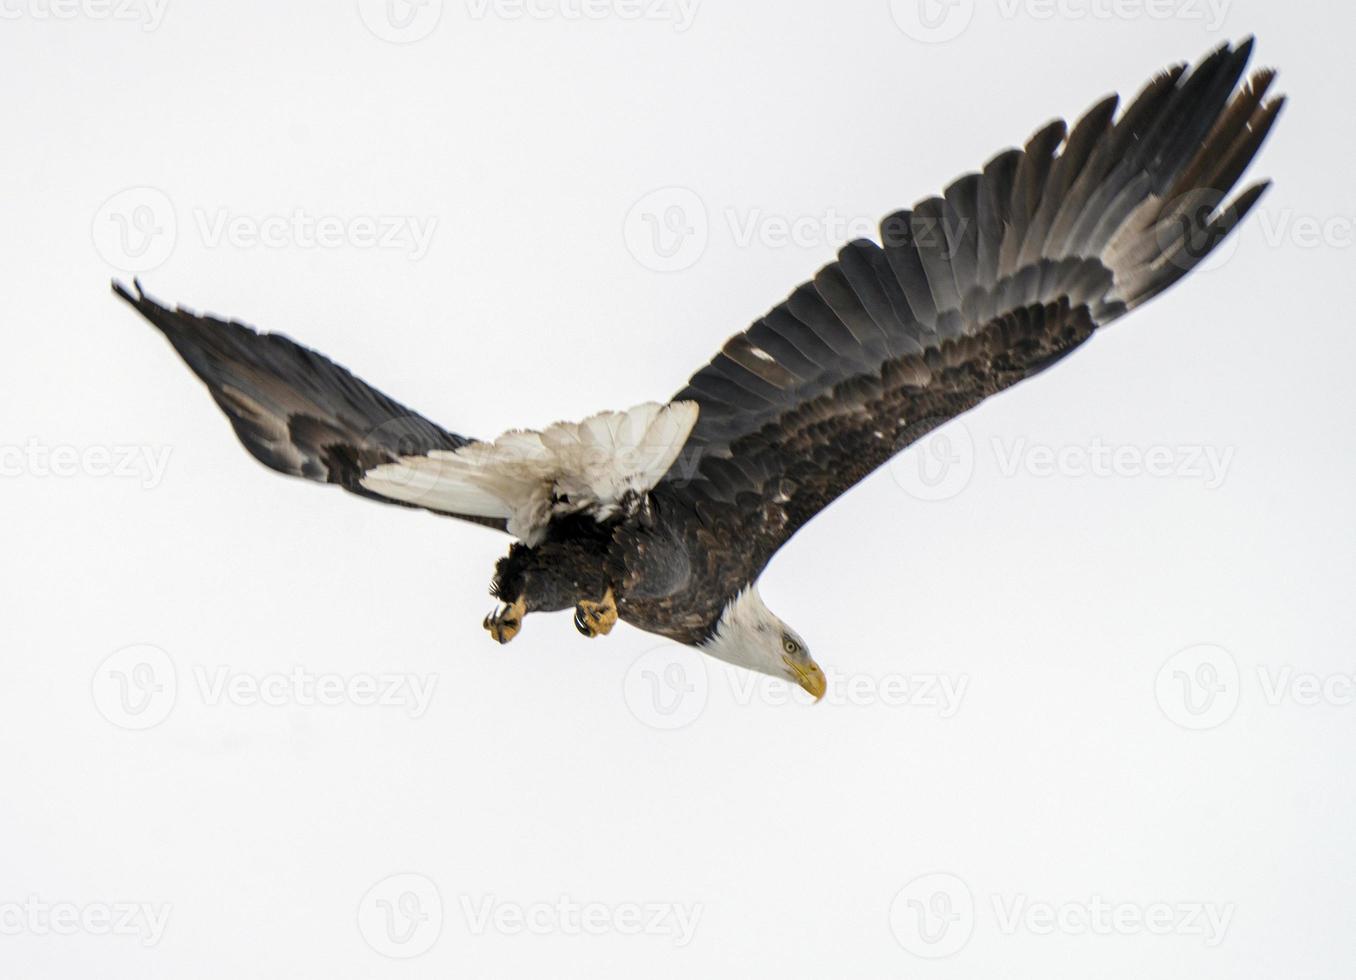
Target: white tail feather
(594, 467)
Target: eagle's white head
(749, 635)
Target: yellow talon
(596, 618)
(507, 622)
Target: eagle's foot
(506, 622)
(596, 618)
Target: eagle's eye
(790, 646)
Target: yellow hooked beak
(810, 677)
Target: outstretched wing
(971, 293)
(296, 411)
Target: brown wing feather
(296, 411)
(968, 295)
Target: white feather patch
(594, 467)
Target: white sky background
(1045, 596)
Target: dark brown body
(646, 560)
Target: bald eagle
(665, 515)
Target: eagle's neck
(742, 623)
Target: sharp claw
(505, 622)
(595, 619)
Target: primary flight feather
(665, 515)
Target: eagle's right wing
(299, 413)
(967, 295)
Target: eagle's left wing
(301, 414)
(971, 293)
(298, 412)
